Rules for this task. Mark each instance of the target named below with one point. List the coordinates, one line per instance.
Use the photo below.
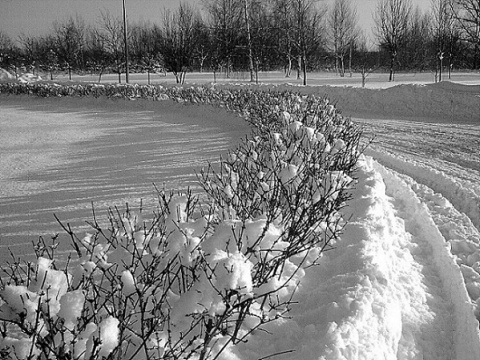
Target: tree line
(296, 36)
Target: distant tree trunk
(393, 55)
(336, 63)
(288, 70)
(202, 61)
(229, 64)
(180, 76)
(341, 31)
(304, 62)
(350, 60)
(391, 20)
(342, 66)
(249, 42)
(119, 70)
(299, 66)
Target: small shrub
(200, 276)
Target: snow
(403, 279)
(466, 332)
(109, 334)
(390, 289)
(60, 155)
(5, 75)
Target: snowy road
(435, 178)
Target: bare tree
(246, 12)
(442, 27)
(390, 25)
(145, 47)
(416, 47)
(30, 47)
(110, 32)
(178, 40)
(47, 54)
(5, 41)
(467, 12)
(70, 41)
(342, 27)
(225, 19)
(204, 43)
(97, 58)
(8, 53)
(306, 32)
(283, 25)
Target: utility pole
(125, 41)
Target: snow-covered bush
(200, 276)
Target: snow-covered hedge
(49, 89)
(199, 276)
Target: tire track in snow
(443, 156)
(444, 286)
(464, 196)
(459, 232)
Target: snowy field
(403, 282)
(373, 80)
(58, 156)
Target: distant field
(374, 80)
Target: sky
(35, 17)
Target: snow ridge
(390, 289)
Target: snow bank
(444, 102)
(29, 78)
(5, 75)
(345, 305)
(357, 302)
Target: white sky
(35, 17)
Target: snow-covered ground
(60, 156)
(403, 281)
(376, 80)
